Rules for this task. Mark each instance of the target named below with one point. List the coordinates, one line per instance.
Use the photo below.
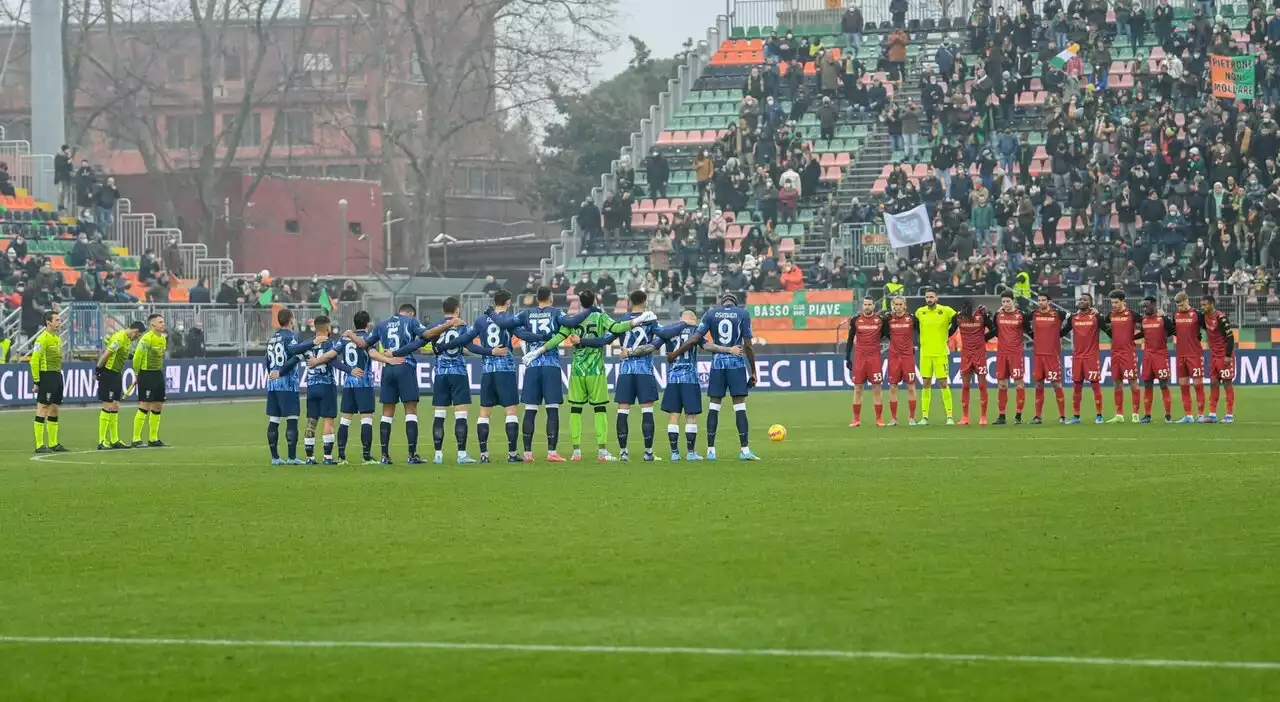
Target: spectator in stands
(229, 295)
(634, 281)
(81, 292)
(148, 267)
(18, 247)
(589, 221)
(658, 172)
(710, 285)
(688, 253)
(754, 85)
(626, 174)
(606, 289)
(199, 295)
(194, 341)
(62, 177)
(105, 204)
(611, 213)
(897, 52)
(788, 203)
(78, 257)
(160, 286)
(177, 347)
(99, 253)
(770, 282)
(829, 69)
(704, 169)
(898, 13)
(491, 285)
(350, 293)
(852, 23)
(584, 282)
(559, 286)
(6, 185)
(792, 277)
(717, 228)
(171, 256)
(736, 281)
(85, 180)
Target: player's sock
(460, 426)
(893, 410)
(513, 432)
(1167, 396)
(1097, 398)
(1061, 395)
(115, 427)
(51, 425)
(344, 432)
(273, 437)
(366, 435)
(437, 429)
(553, 427)
(411, 433)
(673, 436)
(1002, 399)
(982, 397)
(1039, 400)
(1021, 399)
(309, 445)
(139, 421)
(857, 411)
(104, 424)
(575, 426)
(647, 428)
(154, 425)
(911, 409)
(1118, 398)
(327, 439)
(1200, 398)
(744, 427)
(482, 434)
(1148, 396)
(926, 399)
(879, 411)
(1077, 394)
(623, 422)
(602, 427)
(530, 417)
(384, 433)
(40, 432)
(1185, 392)
(947, 405)
(1231, 399)
(691, 436)
(1137, 399)
(290, 435)
(713, 423)
(1213, 398)
(964, 397)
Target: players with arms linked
(357, 386)
(1047, 329)
(322, 393)
(1011, 326)
(1187, 323)
(1156, 330)
(636, 382)
(110, 376)
(1086, 358)
(935, 362)
(729, 326)
(863, 361)
(1222, 355)
(902, 327)
(1122, 325)
(976, 328)
(283, 397)
(148, 363)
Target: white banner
(910, 228)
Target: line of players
(1047, 326)
(724, 331)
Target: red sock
(879, 411)
(1137, 396)
(1167, 395)
(1185, 391)
(1200, 398)
(1002, 399)
(1231, 399)
(857, 411)
(964, 398)
(1077, 391)
(1119, 398)
(1022, 399)
(893, 410)
(1062, 401)
(982, 396)
(1097, 398)
(1213, 399)
(1147, 398)
(911, 406)
(1039, 400)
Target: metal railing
(243, 329)
(23, 348)
(786, 14)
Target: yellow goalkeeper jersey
(934, 325)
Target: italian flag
(1060, 61)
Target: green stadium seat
(737, 33)
(753, 33)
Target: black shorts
(110, 386)
(151, 386)
(49, 389)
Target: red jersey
(973, 334)
(867, 331)
(902, 335)
(1221, 338)
(1155, 334)
(1186, 334)
(1046, 333)
(1123, 331)
(1085, 331)
(1010, 326)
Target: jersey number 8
(493, 336)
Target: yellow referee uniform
(148, 363)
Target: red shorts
(1086, 369)
(1154, 367)
(1222, 368)
(1191, 367)
(1124, 367)
(867, 370)
(976, 365)
(1009, 367)
(902, 369)
(1046, 368)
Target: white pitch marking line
(653, 650)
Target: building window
(232, 65)
(476, 186)
(316, 63)
(415, 68)
(119, 133)
(180, 131)
(349, 171)
(491, 185)
(177, 67)
(291, 226)
(297, 128)
(250, 136)
(356, 63)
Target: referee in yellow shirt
(110, 375)
(935, 362)
(46, 376)
(148, 363)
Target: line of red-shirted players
(1047, 326)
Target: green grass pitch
(999, 541)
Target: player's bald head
(689, 317)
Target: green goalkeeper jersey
(596, 331)
(934, 327)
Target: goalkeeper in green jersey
(587, 382)
(935, 328)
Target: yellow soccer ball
(777, 432)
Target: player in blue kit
(400, 383)
(283, 402)
(729, 326)
(322, 394)
(450, 384)
(357, 387)
(543, 382)
(636, 382)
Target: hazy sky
(662, 24)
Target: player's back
(1085, 330)
(1186, 331)
(321, 374)
(396, 332)
(1010, 328)
(685, 367)
(868, 329)
(356, 358)
(1046, 328)
(489, 335)
(451, 361)
(279, 361)
(634, 338)
(729, 325)
(544, 321)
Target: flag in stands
(264, 300)
(909, 228)
(1060, 61)
(325, 303)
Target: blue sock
(273, 438)
(291, 436)
(530, 414)
(624, 427)
(366, 437)
(482, 434)
(740, 411)
(344, 430)
(437, 432)
(713, 422)
(646, 427)
(328, 445)
(513, 430)
(411, 433)
(553, 427)
(384, 434)
(460, 431)
(673, 436)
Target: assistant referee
(148, 363)
(46, 376)
(110, 374)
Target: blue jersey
(449, 359)
(635, 338)
(351, 357)
(542, 322)
(488, 335)
(685, 368)
(323, 373)
(395, 333)
(729, 326)
(282, 357)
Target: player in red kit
(1010, 326)
(901, 327)
(1156, 330)
(976, 327)
(1047, 330)
(1122, 327)
(862, 358)
(1086, 364)
(1222, 358)
(1190, 354)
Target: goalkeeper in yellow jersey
(935, 364)
(148, 363)
(46, 376)
(110, 375)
